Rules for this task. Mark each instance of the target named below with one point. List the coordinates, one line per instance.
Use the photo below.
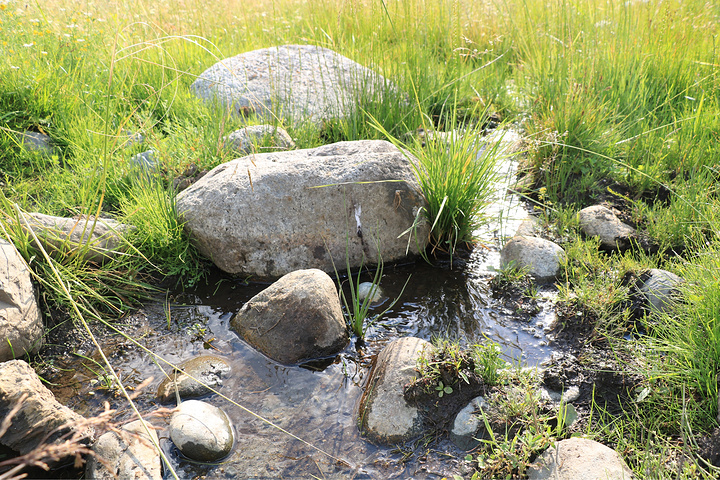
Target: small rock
(599, 221)
(201, 431)
(579, 459)
(128, 455)
(364, 290)
(208, 369)
(660, 289)
(466, 425)
(37, 142)
(250, 139)
(21, 328)
(541, 257)
(296, 319)
(131, 138)
(41, 418)
(384, 415)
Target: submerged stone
(207, 370)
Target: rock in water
(296, 319)
(21, 328)
(201, 431)
(274, 213)
(298, 82)
(208, 369)
(384, 414)
(127, 455)
(542, 258)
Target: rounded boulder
(296, 319)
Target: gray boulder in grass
(296, 319)
(297, 82)
(274, 213)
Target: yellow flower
(3, 6)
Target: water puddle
(318, 406)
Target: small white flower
(28, 45)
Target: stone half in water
(366, 288)
(202, 432)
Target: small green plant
(443, 389)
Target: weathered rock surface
(130, 455)
(274, 213)
(384, 415)
(257, 139)
(579, 459)
(21, 328)
(660, 289)
(366, 289)
(599, 221)
(41, 418)
(201, 431)
(208, 369)
(297, 82)
(296, 319)
(95, 240)
(542, 258)
(467, 424)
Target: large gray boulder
(274, 213)
(127, 454)
(297, 82)
(93, 239)
(385, 417)
(579, 459)
(296, 319)
(541, 258)
(21, 328)
(41, 419)
(601, 222)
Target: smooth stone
(146, 161)
(201, 431)
(36, 142)
(579, 459)
(208, 369)
(96, 240)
